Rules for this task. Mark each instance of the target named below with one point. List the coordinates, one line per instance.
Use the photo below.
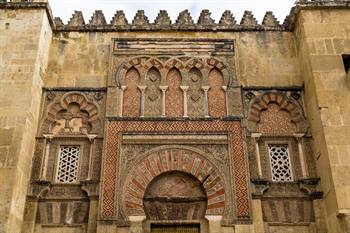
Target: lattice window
(280, 163)
(68, 164)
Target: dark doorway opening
(183, 228)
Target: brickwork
(174, 160)
(131, 95)
(175, 120)
(174, 97)
(114, 128)
(216, 94)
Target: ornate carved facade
(185, 126)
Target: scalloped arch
(63, 103)
(261, 103)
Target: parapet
(163, 22)
(184, 21)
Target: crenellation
(227, 19)
(184, 19)
(98, 19)
(248, 20)
(119, 19)
(270, 20)
(77, 20)
(162, 19)
(140, 20)
(58, 22)
(183, 22)
(205, 19)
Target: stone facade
(185, 126)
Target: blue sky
(65, 8)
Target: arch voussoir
(168, 160)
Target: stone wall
(291, 73)
(80, 59)
(25, 36)
(322, 37)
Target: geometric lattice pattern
(68, 164)
(280, 163)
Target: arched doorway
(174, 197)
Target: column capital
(205, 88)
(163, 88)
(298, 136)
(256, 135)
(184, 88)
(91, 137)
(48, 136)
(142, 88)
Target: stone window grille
(68, 164)
(280, 163)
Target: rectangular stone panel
(173, 46)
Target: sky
(65, 8)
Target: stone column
(299, 137)
(45, 157)
(226, 104)
(184, 90)
(93, 212)
(91, 154)
(206, 110)
(256, 137)
(121, 101)
(163, 88)
(142, 89)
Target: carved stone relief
(275, 113)
(195, 94)
(73, 113)
(57, 212)
(142, 173)
(175, 196)
(288, 210)
(153, 94)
